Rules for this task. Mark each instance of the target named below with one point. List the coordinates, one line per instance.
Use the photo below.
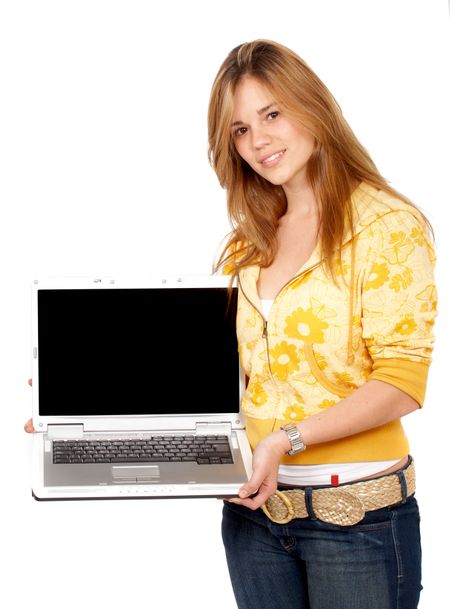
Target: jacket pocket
(319, 375)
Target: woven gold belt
(343, 505)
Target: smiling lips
(270, 161)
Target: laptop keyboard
(204, 450)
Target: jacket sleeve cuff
(410, 377)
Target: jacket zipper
(264, 334)
(265, 321)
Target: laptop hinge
(213, 428)
(65, 431)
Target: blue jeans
(309, 564)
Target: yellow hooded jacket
(322, 340)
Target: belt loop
(401, 478)
(309, 503)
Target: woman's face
(274, 146)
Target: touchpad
(134, 473)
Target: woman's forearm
(371, 405)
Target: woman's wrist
(280, 441)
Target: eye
(240, 131)
(272, 115)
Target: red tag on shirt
(335, 480)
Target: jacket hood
(371, 204)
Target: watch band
(295, 438)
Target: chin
(275, 180)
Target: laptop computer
(136, 389)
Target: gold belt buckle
(287, 502)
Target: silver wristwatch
(295, 438)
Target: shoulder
(376, 210)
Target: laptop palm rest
(135, 473)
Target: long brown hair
(337, 164)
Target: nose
(260, 137)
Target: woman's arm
(371, 405)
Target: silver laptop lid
(115, 354)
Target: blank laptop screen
(137, 351)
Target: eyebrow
(261, 111)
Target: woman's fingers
(29, 427)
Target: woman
(335, 315)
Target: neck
(301, 201)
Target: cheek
(308, 141)
(296, 133)
(244, 153)
(240, 148)
(308, 147)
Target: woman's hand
(266, 459)
(29, 427)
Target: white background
(104, 172)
